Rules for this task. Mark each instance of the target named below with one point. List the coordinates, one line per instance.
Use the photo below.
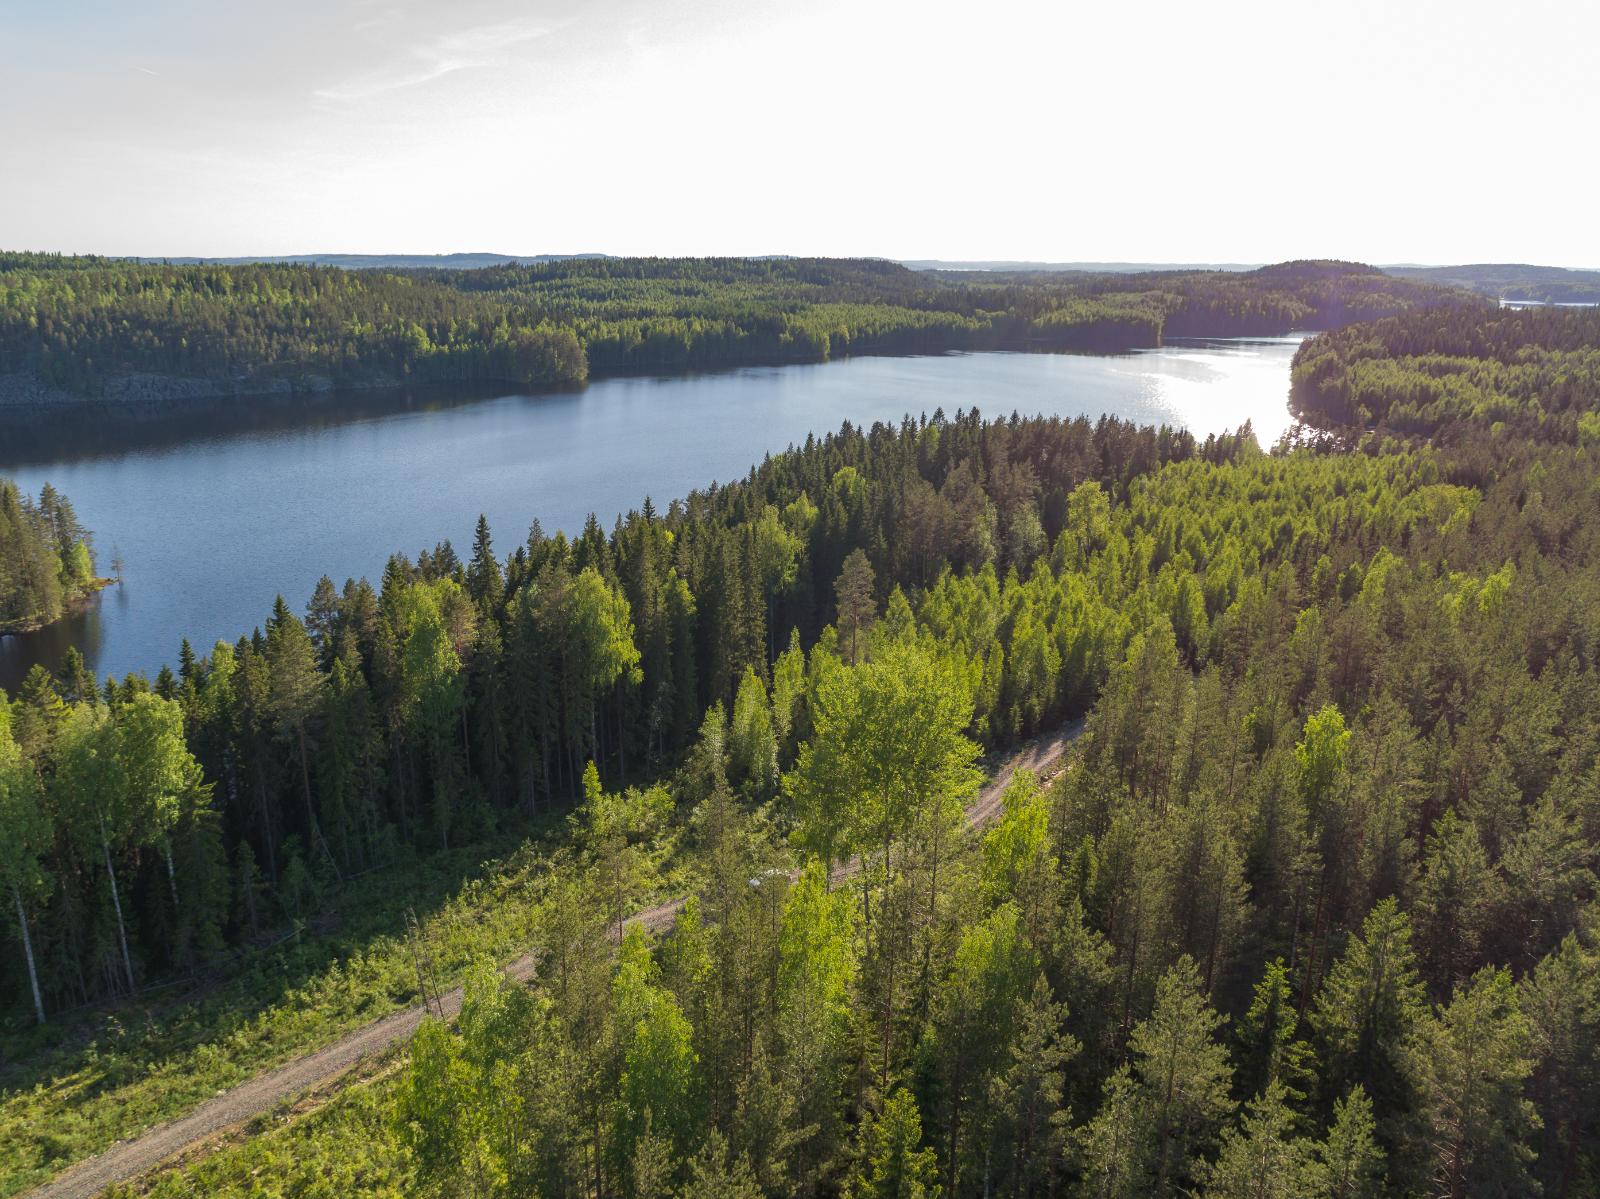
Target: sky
(1112, 130)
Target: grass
(70, 1098)
(71, 1093)
(66, 1093)
(311, 1149)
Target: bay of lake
(213, 514)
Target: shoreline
(76, 606)
(28, 405)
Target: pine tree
(1368, 1007)
(247, 886)
(1561, 999)
(1270, 1049)
(1183, 1076)
(295, 698)
(1262, 1158)
(485, 583)
(343, 763)
(856, 605)
(1454, 901)
(323, 619)
(893, 1164)
(717, 1173)
(1471, 1063)
(1027, 1118)
(1115, 1148)
(1350, 1162)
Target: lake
(214, 515)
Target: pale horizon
(1111, 263)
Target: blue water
(212, 520)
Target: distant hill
(1503, 281)
(386, 262)
(1511, 281)
(1088, 268)
(476, 261)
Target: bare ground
(129, 1159)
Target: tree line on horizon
(101, 328)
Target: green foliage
(1336, 788)
(659, 1087)
(1470, 1062)
(1262, 1158)
(1370, 1006)
(888, 749)
(24, 845)
(46, 564)
(1349, 1164)
(1183, 1075)
(1320, 755)
(97, 327)
(1270, 1052)
(893, 1164)
(753, 747)
(1531, 372)
(127, 1072)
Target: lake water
(213, 516)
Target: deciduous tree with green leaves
(25, 837)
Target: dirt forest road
(129, 1159)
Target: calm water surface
(212, 519)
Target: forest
(1516, 282)
(46, 558)
(1310, 910)
(1455, 371)
(122, 331)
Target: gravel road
(128, 1159)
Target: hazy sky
(1112, 130)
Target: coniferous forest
(1309, 907)
(1309, 910)
(1086, 705)
(46, 558)
(120, 331)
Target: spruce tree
(295, 697)
(855, 603)
(894, 1165)
(1471, 1063)
(1350, 1161)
